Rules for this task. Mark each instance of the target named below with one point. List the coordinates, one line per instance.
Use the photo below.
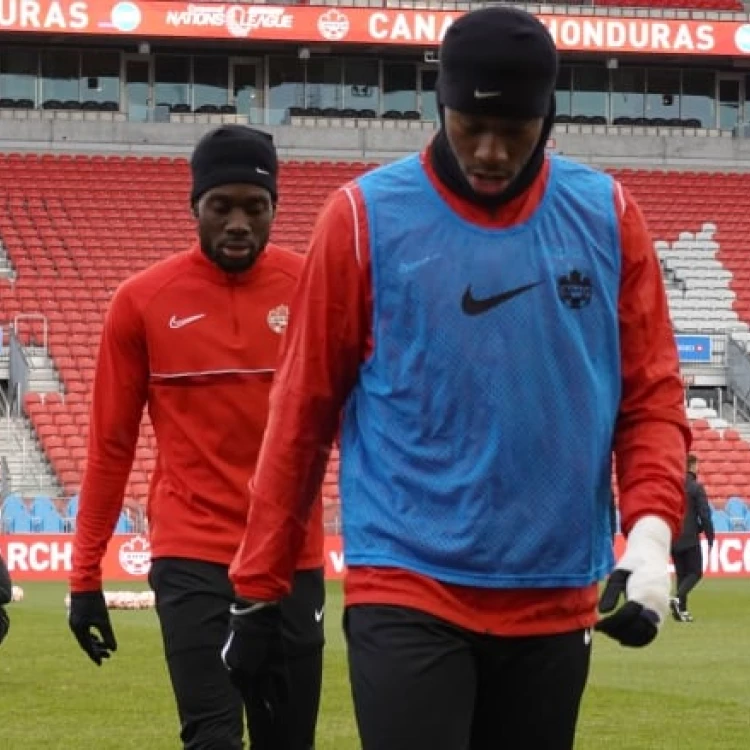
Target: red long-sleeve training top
(330, 336)
(199, 348)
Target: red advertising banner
(142, 19)
(49, 557)
(41, 557)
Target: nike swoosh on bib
(472, 306)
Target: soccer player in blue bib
(488, 324)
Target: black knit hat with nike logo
(498, 61)
(234, 154)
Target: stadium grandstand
(101, 102)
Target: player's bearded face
(491, 151)
(234, 224)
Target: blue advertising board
(694, 348)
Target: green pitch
(688, 691)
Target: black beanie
(234, 154)
(498, 61)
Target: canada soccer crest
(278, 319)
(135, 556)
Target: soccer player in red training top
(493, 324)
(196, 338)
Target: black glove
(88, 612)
(4, 624)
(632, 624)
(254, 656)
(254, 644)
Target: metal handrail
(34, 316)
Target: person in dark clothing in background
(686, 551)
(6, 595)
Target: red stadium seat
(75, 227)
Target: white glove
(642, 574)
